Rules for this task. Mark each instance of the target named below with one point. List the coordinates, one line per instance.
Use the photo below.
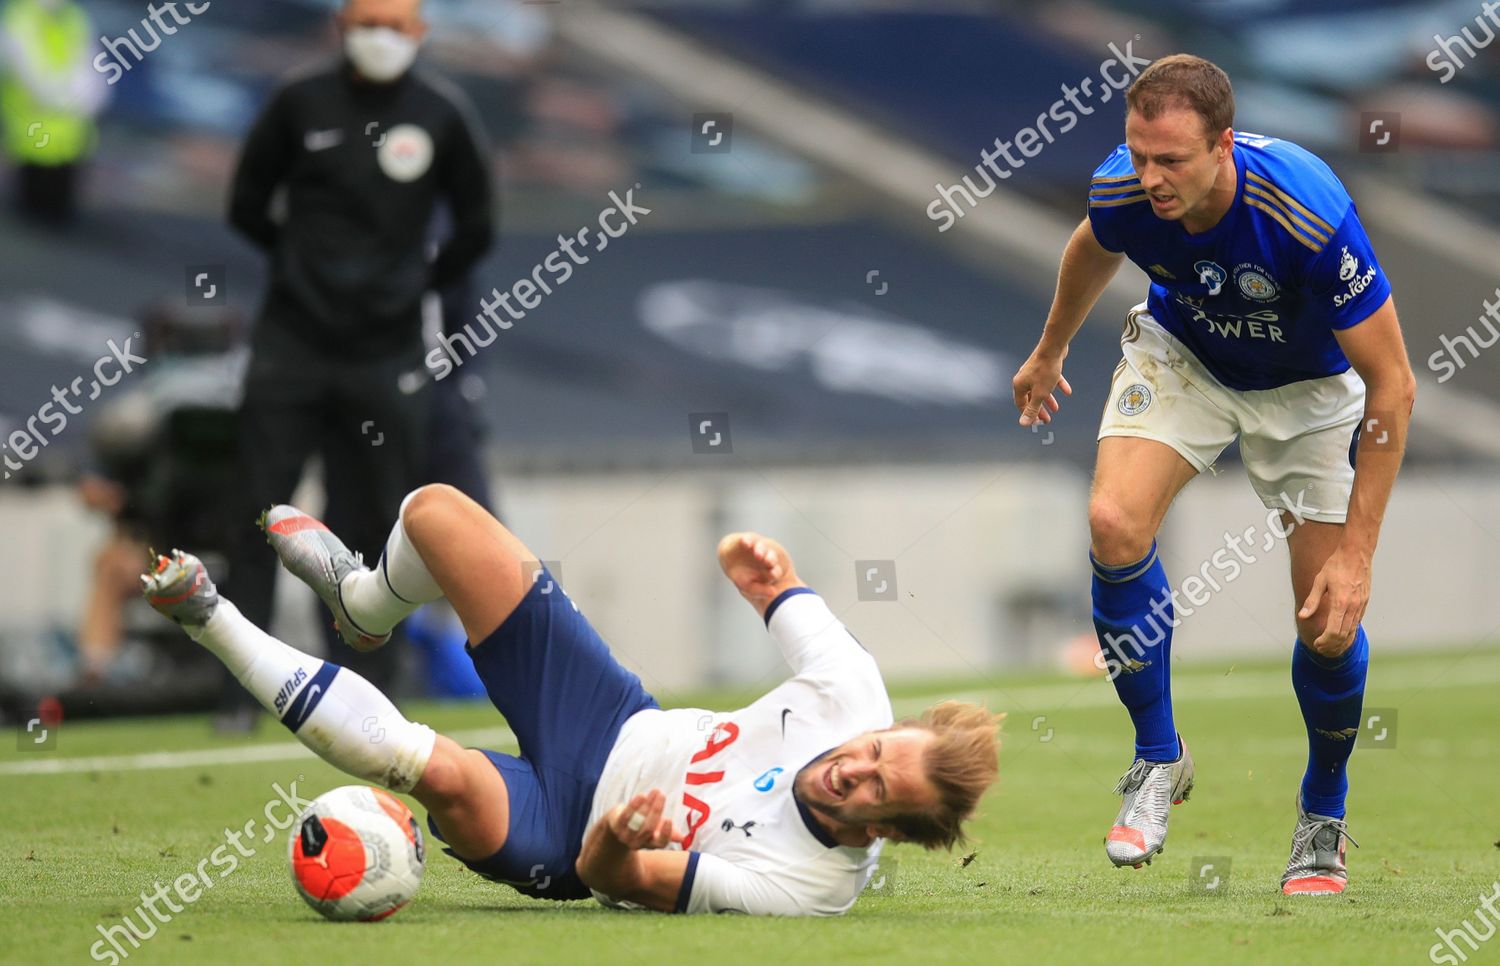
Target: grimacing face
(1176, 162)
(866, 781)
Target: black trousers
(370, 426)
(47, 194)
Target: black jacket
(364, 166)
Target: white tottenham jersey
(728, 776)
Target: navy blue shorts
(566, 697)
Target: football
(357, 854)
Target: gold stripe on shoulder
(1120, 190)
(1113, 202)
(1292, 216)
(1114, 179)
(1291, 202)
(1274, 213)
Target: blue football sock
(1331, 693)
(1133, 617)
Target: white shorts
(1295, 441)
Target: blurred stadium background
(789, 286)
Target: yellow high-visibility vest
(58, 40)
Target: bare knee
(1310, 629)
(466, 797)
(445, 524)
(427, 505)
(1117, 537)
(445, 779)
(431, 515)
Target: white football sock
(332, 710)
(377, 600)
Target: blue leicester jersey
(1258, 296)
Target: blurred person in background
(49, 97)
(364, 151)
(102, 626)
(161, 455)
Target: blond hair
(1183, 80)
(961, 761)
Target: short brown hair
(962, 761)
(1183, 80)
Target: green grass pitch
(78, 847)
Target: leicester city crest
(1134, 400)
(1255, 283)
(1257, 287)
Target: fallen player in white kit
(774, 809)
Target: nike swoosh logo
(784, 713)
(313, 692)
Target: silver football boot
(180, 589)
(1317, 866)
(313, 555)
(1150, 789)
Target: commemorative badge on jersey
(1134, 400)
(1211, 274)
(405, 154)
(1255, 283)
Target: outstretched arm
(811, 637)
(1377, 352)
(1085, 272)
(759, 567)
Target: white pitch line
(244, 755)
(1187, 689)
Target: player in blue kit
(1269, 319)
